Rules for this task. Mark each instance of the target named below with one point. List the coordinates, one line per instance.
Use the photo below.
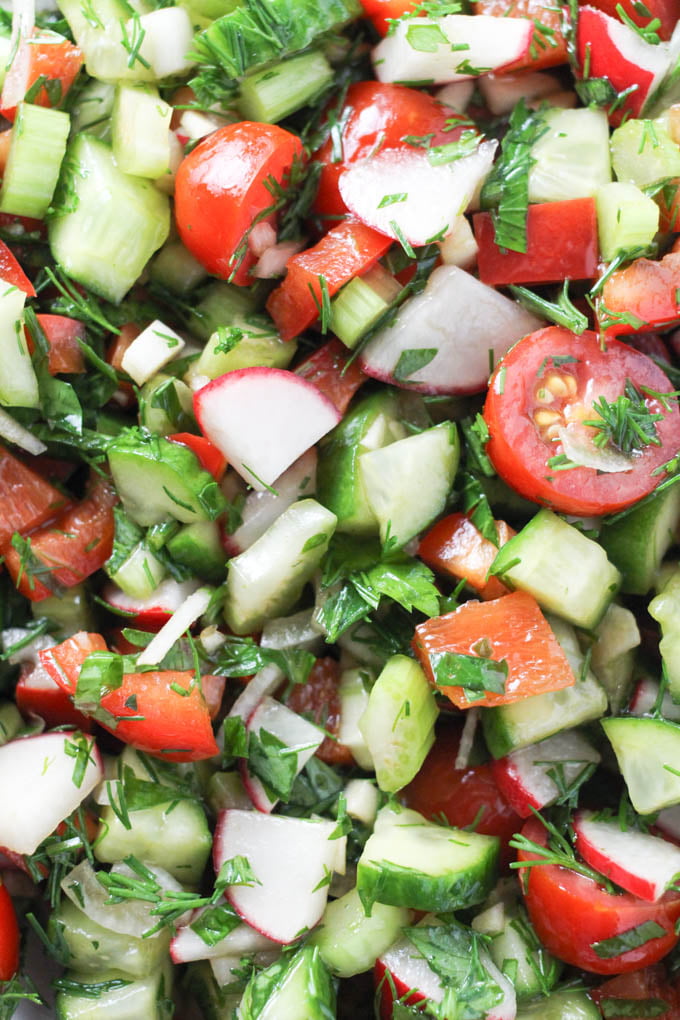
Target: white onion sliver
(263, 683)
(132, 917)
(467, 739)
(15, 433)
(179, 622)
(579, 448)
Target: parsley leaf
(633, 938)
(476, 674)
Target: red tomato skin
(544, 51)
(460, 794)
(220, 190)
(62, 334)
(347, 250)
(517, 632)
(519, 454)
(50, 703)
(375, 116)
(318, 698)
(647, 984)
(63, 661)
(327, 368)
(209, 457)
(646, 290)
(381, 12)
(9, 937)
(571, 912)
(575, 256)
(12, 273)
(73, 548)
(57, 61)
(26, 499)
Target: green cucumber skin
(637, 543)
(384, 882)
(561, 1005)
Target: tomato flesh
(571, 912)
(318, 699)
(549, 380)
(456, 548)
(224, 186)
(26, 500)
(463, 796)
(329, 370)
(514, 630)
(548, 46)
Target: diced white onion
(179, 622)
(151, 351)
(15, 433)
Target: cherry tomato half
(224, 186)
(571, 913)
(539, 396)
(464, 796)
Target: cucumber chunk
(267, 579)
(398, 723)
(637, 543)
(38, 145)
(648, 753)
(349, 941)
(540, 560)
(106, 224)
(408, 482)
(115, 996)
(411, 862)
(665, 610)
(292, 987)
(156, 479)
(563, 1004)
(571, 160)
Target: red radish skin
(641, 864)
(151, 613)
(522, 776)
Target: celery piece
(18, 383)
(109, 38)
(270, 95)
(571, 159)
(35, 155)
(140, 125)
(626, 218)
(643, 153)
(258, 32)
(106, 224)
(360, 303)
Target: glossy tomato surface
(224, 186)
(571, 913)
(9, 937)
(550, 380)
(463, 796)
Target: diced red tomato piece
(327, 368)
(120, 343)
(667, 11)
(381, 12)
(571, 913)
(378, 115)
(346, 251)
(208, 456)
(36, 693)
(68, 551)
(562, 244)
(467, 796)
(511, 628)
(650, 986)
(548, 46)
(642, 296)
(9, 936)
(26, 499)
(12, 273)
(63, 661)
(62, 334)
(46, 56)
(224, 186)
(318, 699)
(456, 548)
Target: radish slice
(187, 945)
(262, 508)
(301, 738)
(263, 419)
(641, 864)
(178, 624)
(291, 858)
(668, 822)
(41, 784)
(400, 193)
(159, 607)
(645, 697)
(464, 322)
(524, 777)
(452, 48)
(263, 683)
